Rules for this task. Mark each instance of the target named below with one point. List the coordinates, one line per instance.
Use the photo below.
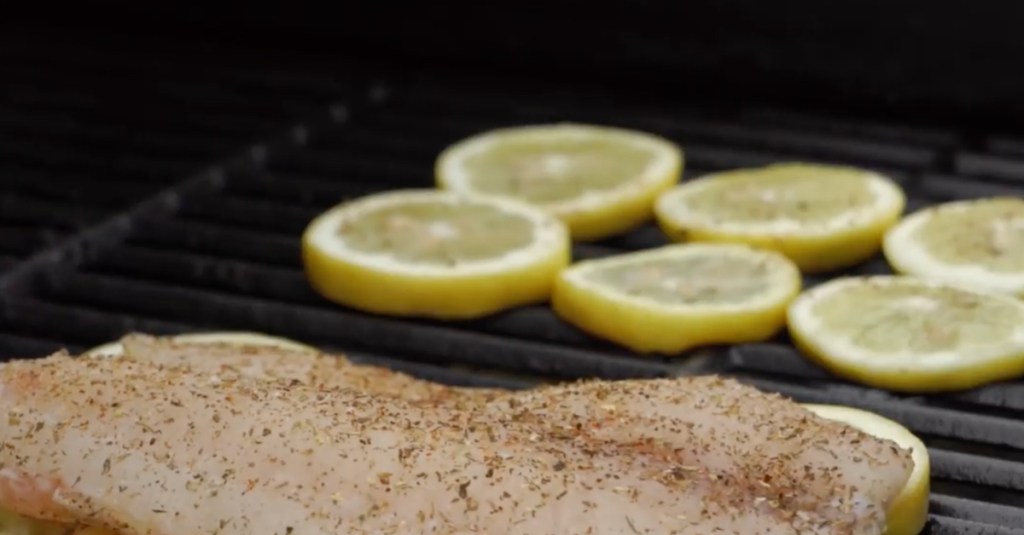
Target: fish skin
(123, 441)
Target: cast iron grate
(85, 134)
(221, 251)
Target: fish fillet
(313, 369)
(149, 448)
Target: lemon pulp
(437, 254)
(599, 180)
(908, 334)
(822, 217)
(977, 244)
(677, 297)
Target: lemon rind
(109, 349)
(241, 338)
(115, 348)
(908, 255)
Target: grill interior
(166, 197)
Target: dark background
(954, 62)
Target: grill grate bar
(990, 166)
(845, 125)
(717, 158)
(380, 141)
(795, 142)
(222, 95)
(977, 511)
(24, 346)
(941, 188)
(437, 343)
(77, 160)
(847, 150)
(976, 469)
(780, 360)
(297, 189)
(217, 97)
(150, 119)
(443, 374)
(645, 237)
(942, 525)
(252, 214)
(208, 239)
(373, 150)
(20, 209)
(195, 271)
(1005, 146)
(65, 256)
(31, 128)
(236, 277)
(80, 189)
(23, 240)
(203, 70)
(78, 325)
(342, 163)
(549, 107)
(924, 419)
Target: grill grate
(219, 249)
(74, 154)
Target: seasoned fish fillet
(265, 363)
(145, 448)
(268, 363)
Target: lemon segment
(677, 297)
(822, 217)
(977, 244)
(240, 338)
(911, 335)
(908, 512)
(599, 180)
(436, 254)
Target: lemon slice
(599, 180)
(433, 253)
(908, 513)
(242, 338)
(822, 217)
(677, 297)
(908, 334)
(977, 244)
(109, 349)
